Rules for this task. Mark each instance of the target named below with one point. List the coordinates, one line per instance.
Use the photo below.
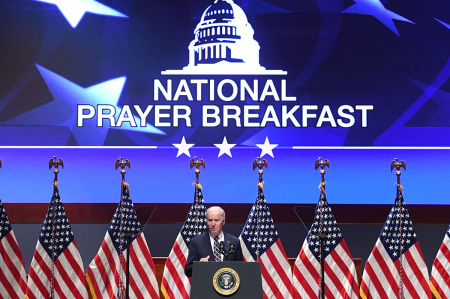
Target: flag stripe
(345, 280)
(381, 264)
(307, 273)
(12, 269)
(67, 279)
(7, 290)
(33, 281)
(340, 279)
(93, 285)
(56, 268)
(105, 262)
(417, 276)
(348, 267)
(440, 272)
(12, 266)
(39, 269)
(396, 260)
(133, 288)
(444, 277)
(106, 273)
(152, 285)
(276, 257)
(259, 240)
(175, 284)
(180, 287)
(379, 291)
(272, 291)
(339, 284)
(438, 291)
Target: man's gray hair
(215, 208)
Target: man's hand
(204, 259)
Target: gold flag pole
(259, 163)
(322, 164)
(322, 235)
(122, 164)
(398, 165)
(123, 234)
(54, 163)
(197, 163)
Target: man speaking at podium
(213, 245)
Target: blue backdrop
(357, 83)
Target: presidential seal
(226, 281)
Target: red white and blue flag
(56, 269)
(106, 274)
(341, 280)
(440, 273)
(396, 268)
(12, 270)
(175, 284)
(260, 242)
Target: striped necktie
(216, 249)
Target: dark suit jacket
(201, 247)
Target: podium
(218, 280)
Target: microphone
(295, 211)
(222, 247)
(231, 248)
(226, 253)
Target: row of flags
(395, 268)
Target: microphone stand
(128, 236)
(322, 237)
(226, 253)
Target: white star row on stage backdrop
(225, 147)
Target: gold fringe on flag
(125, 184)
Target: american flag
(12, 270)
(260, 242)
(396, 268)
(106, 273)
(56, 269)
(340, 273)
(440, 273)
(175, 284)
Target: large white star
(225, 147)
(375, 8)
(62, 111)
(183, 147)
(267, 148)
(443, 23)
(74, 10)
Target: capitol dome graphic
(224, 44)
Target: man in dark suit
(202, 246)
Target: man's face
(215, 221)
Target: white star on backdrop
(443, 23)
(67, 96)
(266, 148)
(183, 147)
(375, 8)
(225, 147)
(74, 10)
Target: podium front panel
(250, 285)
